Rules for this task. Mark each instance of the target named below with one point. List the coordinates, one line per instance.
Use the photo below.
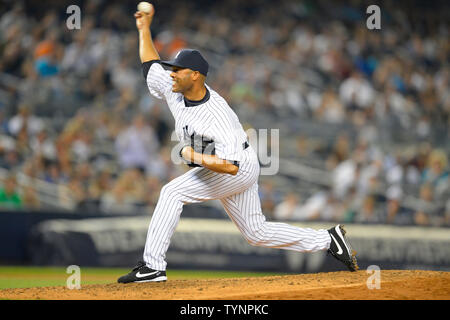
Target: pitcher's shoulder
(220, 102)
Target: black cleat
(142, 273)
(340, 248)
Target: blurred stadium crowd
(369, 110)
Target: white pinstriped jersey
(212, 118)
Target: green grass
(27, 277)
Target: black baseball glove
(200, 145)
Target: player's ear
(195, 75)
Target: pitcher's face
(182, 79)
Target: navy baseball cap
(190, 59)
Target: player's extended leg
(196, 185)
(245, 211)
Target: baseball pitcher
(225, 166)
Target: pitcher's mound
(393, 284)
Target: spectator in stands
(25, 120)
(76, 55)
(30, 198)
(46, 63)
(84, 172)
(11, 159)
(269, 197)
(9, 194)
(52, 172)
(369, 213)
(285, 209)
(160, 125)
(331, 109)
(101, 184)
(356, 92)
(333, 209)
(345, 175)
(311, 209)
(43, 145)
(341, 147)
(447, 214)
(123, 77)
(338, 73)
(152, 187)
(137, 145)
(427, 212)
(163, 167)
(12, 59)
(127, 193)
(394, 195)
(82, 146)
(78, 193)
(436, 172)
(305, 147)
(369, 178)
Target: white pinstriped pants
(239, 196)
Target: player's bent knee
(255, 236)
(252, 239)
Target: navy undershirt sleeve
(146, 67)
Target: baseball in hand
(145, 7)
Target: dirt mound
(395, 284)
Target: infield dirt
(394, 285)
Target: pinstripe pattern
(239, 194)
(245, 211)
